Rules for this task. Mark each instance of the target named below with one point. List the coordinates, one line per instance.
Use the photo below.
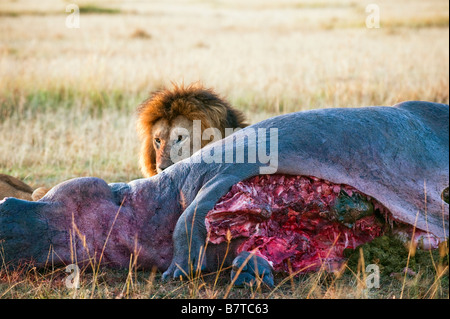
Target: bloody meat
(297, 223)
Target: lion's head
(166, 119)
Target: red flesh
(287, 221)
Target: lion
(166, 116)
(13, 187)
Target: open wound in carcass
(297, 223)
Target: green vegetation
(424, 272)
(92, 8)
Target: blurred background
(68, 96)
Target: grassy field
(68, 100)
(427, 279)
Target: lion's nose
(164, 165)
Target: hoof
(251, 269)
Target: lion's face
(166, 135)
(166, 119)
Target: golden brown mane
(195, 103)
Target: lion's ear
(39, 193)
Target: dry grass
(68, 96)
(349, 283)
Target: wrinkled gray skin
(389, 153)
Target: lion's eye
(157, 140)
